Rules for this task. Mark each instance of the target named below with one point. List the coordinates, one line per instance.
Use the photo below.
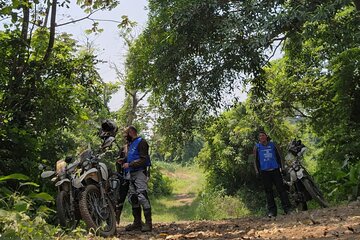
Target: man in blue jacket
(137, 164)
(268, 165)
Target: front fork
(71, 198)
(101, 186)
(295, 186)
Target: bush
(214, 204)
(22, 215)
(159, 185)
(18, 225)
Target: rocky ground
(341, 222)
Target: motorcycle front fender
(293, 176)
(104, 171)
(59, 183)
(91, 173)
(300, 173)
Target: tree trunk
(47, 14)
(18, 67)
(52, 31)
(13, 98)
(357, 4)
(134, 105)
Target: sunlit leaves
(42, 196)
(192, 51)
(15, 176)
(316, 82)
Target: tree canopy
(49, 84)
(193, 52)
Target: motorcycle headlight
(296, 168)
(60, 166)
(290, 157)
(85, 164)
(114, 183)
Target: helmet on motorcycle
(108, 128)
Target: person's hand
(125, 165)
(120, 160)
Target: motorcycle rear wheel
(96, 216)
(314, 192)
(63, 209)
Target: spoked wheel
(301, 205)
(66, 217)
(97, 215)
(314, 192)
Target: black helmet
(108, 128)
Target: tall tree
(193, 52)
(48, 83)
(317, 81)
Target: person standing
(268, 165)
(137, 164)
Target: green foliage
(315, 86)
(44, 104)
(192, 53)
(226, 155)
(23, 214)
(215, 204)
(180, 152)
(18, 225)
(16, 176)
(48, 105)
(159, 184)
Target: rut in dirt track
(342, 222)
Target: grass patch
(187, 182)
(189, 199)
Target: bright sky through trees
(109, 46)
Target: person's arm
(280, 160)
(256, 161)
(143, 148)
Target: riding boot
(136, 225)
(148, 221)
(118, 211)
(285, 202)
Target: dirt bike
(119, 187)
(299, 183)
(95, 206)
(67, 199)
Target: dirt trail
(341, 222)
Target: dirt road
(341, 222)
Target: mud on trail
(342, 222)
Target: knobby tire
(314, 192)
(90, 196)
(66, 219)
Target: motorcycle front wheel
(314, 192)
(97, 216)
(63, 209)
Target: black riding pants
(270, 178)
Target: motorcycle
(95, 206)
(300, 184)
(67, 199)
(119, 187)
